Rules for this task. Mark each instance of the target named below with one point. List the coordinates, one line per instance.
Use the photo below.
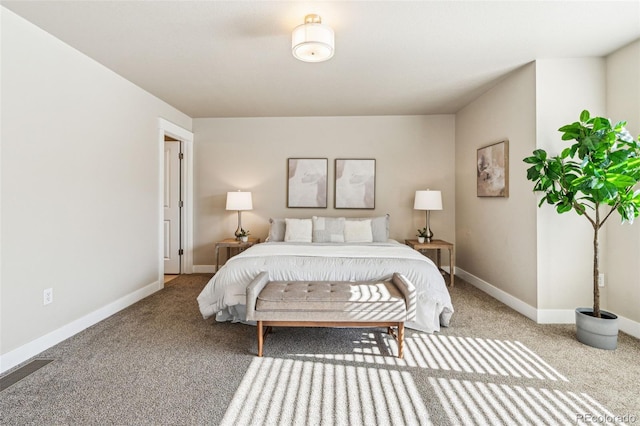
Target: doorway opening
(172, 203)
(175, 230)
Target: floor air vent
(22, 372)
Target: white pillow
(358, 231)
(379, 227)
(298, 230)
(276, 229)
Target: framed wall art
(307, 182)
(492, 168)
(355, 186)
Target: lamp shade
(312, 41)
(239, 200)
(428, 200)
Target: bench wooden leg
(400, 339)
(260, 338)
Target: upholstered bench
(331, 304)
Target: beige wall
(623, 103)
(411, 152)
(496, 236)
(79, 175)
(565, 242)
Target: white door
(172, 207)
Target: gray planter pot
(601, 333)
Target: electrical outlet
(601, 280)
(47, 296)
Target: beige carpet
(158, 362)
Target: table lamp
(428, 200)
(239, 200)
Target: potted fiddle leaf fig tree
(595, 177)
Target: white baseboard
(204, 269)
(501, 295)
(629, 326)
(540, 316)
(33, 348)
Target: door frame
(185, 137)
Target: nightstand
(436, 245)
(232, 243)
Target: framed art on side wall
(355, 184)
(307, 182)
(492, 170)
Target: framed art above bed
(307, 182)
(355, 186)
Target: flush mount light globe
(312, 41)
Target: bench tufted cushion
(381, 300)
(329, 296)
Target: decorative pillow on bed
(298, 230)
(276, 229)
(379, 227)
(358, 231)
(328, 229)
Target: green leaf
(598, 124)
(605, 191)
(541, 154)
(610, 138)
(573, 127)
(554, 170)
(553, 197)
(542, 200)
(533, 173)
(619, 156)
(574, 149)
(546, 184)
(563, 207)
(585, 182)
(584, 116)
(620, 181)
(590, 142)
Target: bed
(224, 295)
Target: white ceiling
(233, 58)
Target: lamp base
(239, 229)
(429, 233)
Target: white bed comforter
(224, 295)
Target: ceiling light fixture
(312, 41)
